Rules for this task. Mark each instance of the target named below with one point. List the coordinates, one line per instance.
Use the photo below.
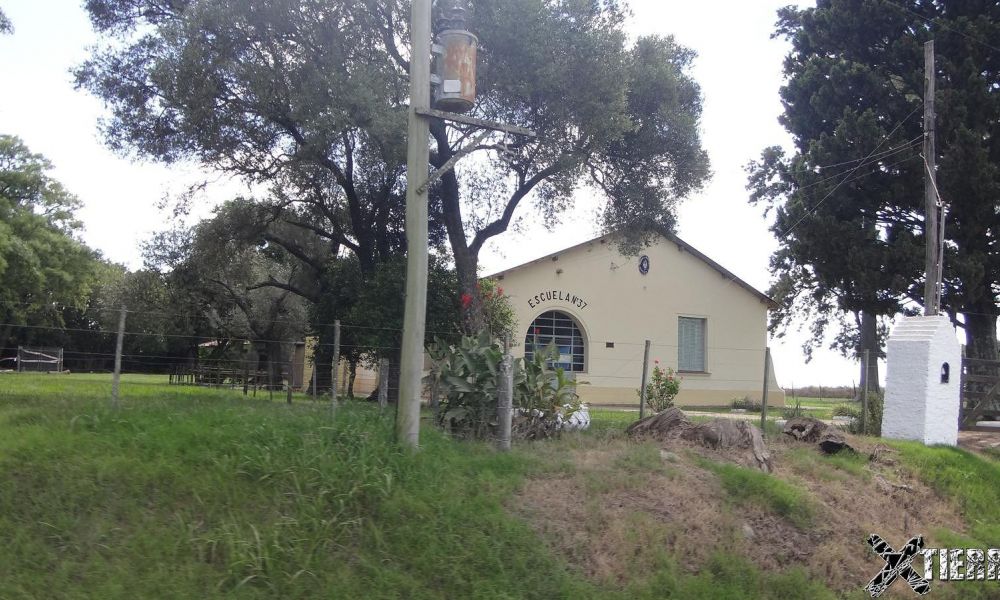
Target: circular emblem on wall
(644, 264)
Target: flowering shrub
(498, 313)
(466, 378)
(661, 391)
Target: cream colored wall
(365, 381)
(614, 302)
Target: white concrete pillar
(923, 381)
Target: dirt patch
(619, 529)
(982, 442)
(604, 532)
(882, 499)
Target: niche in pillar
(922, 395)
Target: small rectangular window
(691, 344)
(609, 344)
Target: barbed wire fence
(302, 368)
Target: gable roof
(681, 245)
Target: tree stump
(813, 431)
(719, 434)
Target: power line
(852, 171)
(942, 25)
(885, 153)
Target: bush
(846, 410)
(467, 377)
(792, 412)
(746, 403)
(875, 405)
(661, 391)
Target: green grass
(750, 486)
(971, 480)
(829, 467)
(198, 492)
(191, 492)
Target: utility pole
(417, 160)
(932, 266)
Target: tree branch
(500, 225)
(288, 287)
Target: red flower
(466, 300)
(657, 361)
(500, 291)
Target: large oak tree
(310, 98)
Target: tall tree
(43, 267)
(5, 25)
(849, 200)
(311, 97)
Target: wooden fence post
(116, 379)
(505, 401)
(383, 383)
(864, 395)
(246, 370)
(333, 366)
(645, 379)
(314, 377)
(763, 399)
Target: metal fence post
(645, 378)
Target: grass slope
(192, 492)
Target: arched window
(558, 328)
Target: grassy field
(194, 492)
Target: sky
(738, 68)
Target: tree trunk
(353, 367)
(981, 339)
(868, 340)
(467, 268)
(466, 257)
(274, 365)
(323, 358)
